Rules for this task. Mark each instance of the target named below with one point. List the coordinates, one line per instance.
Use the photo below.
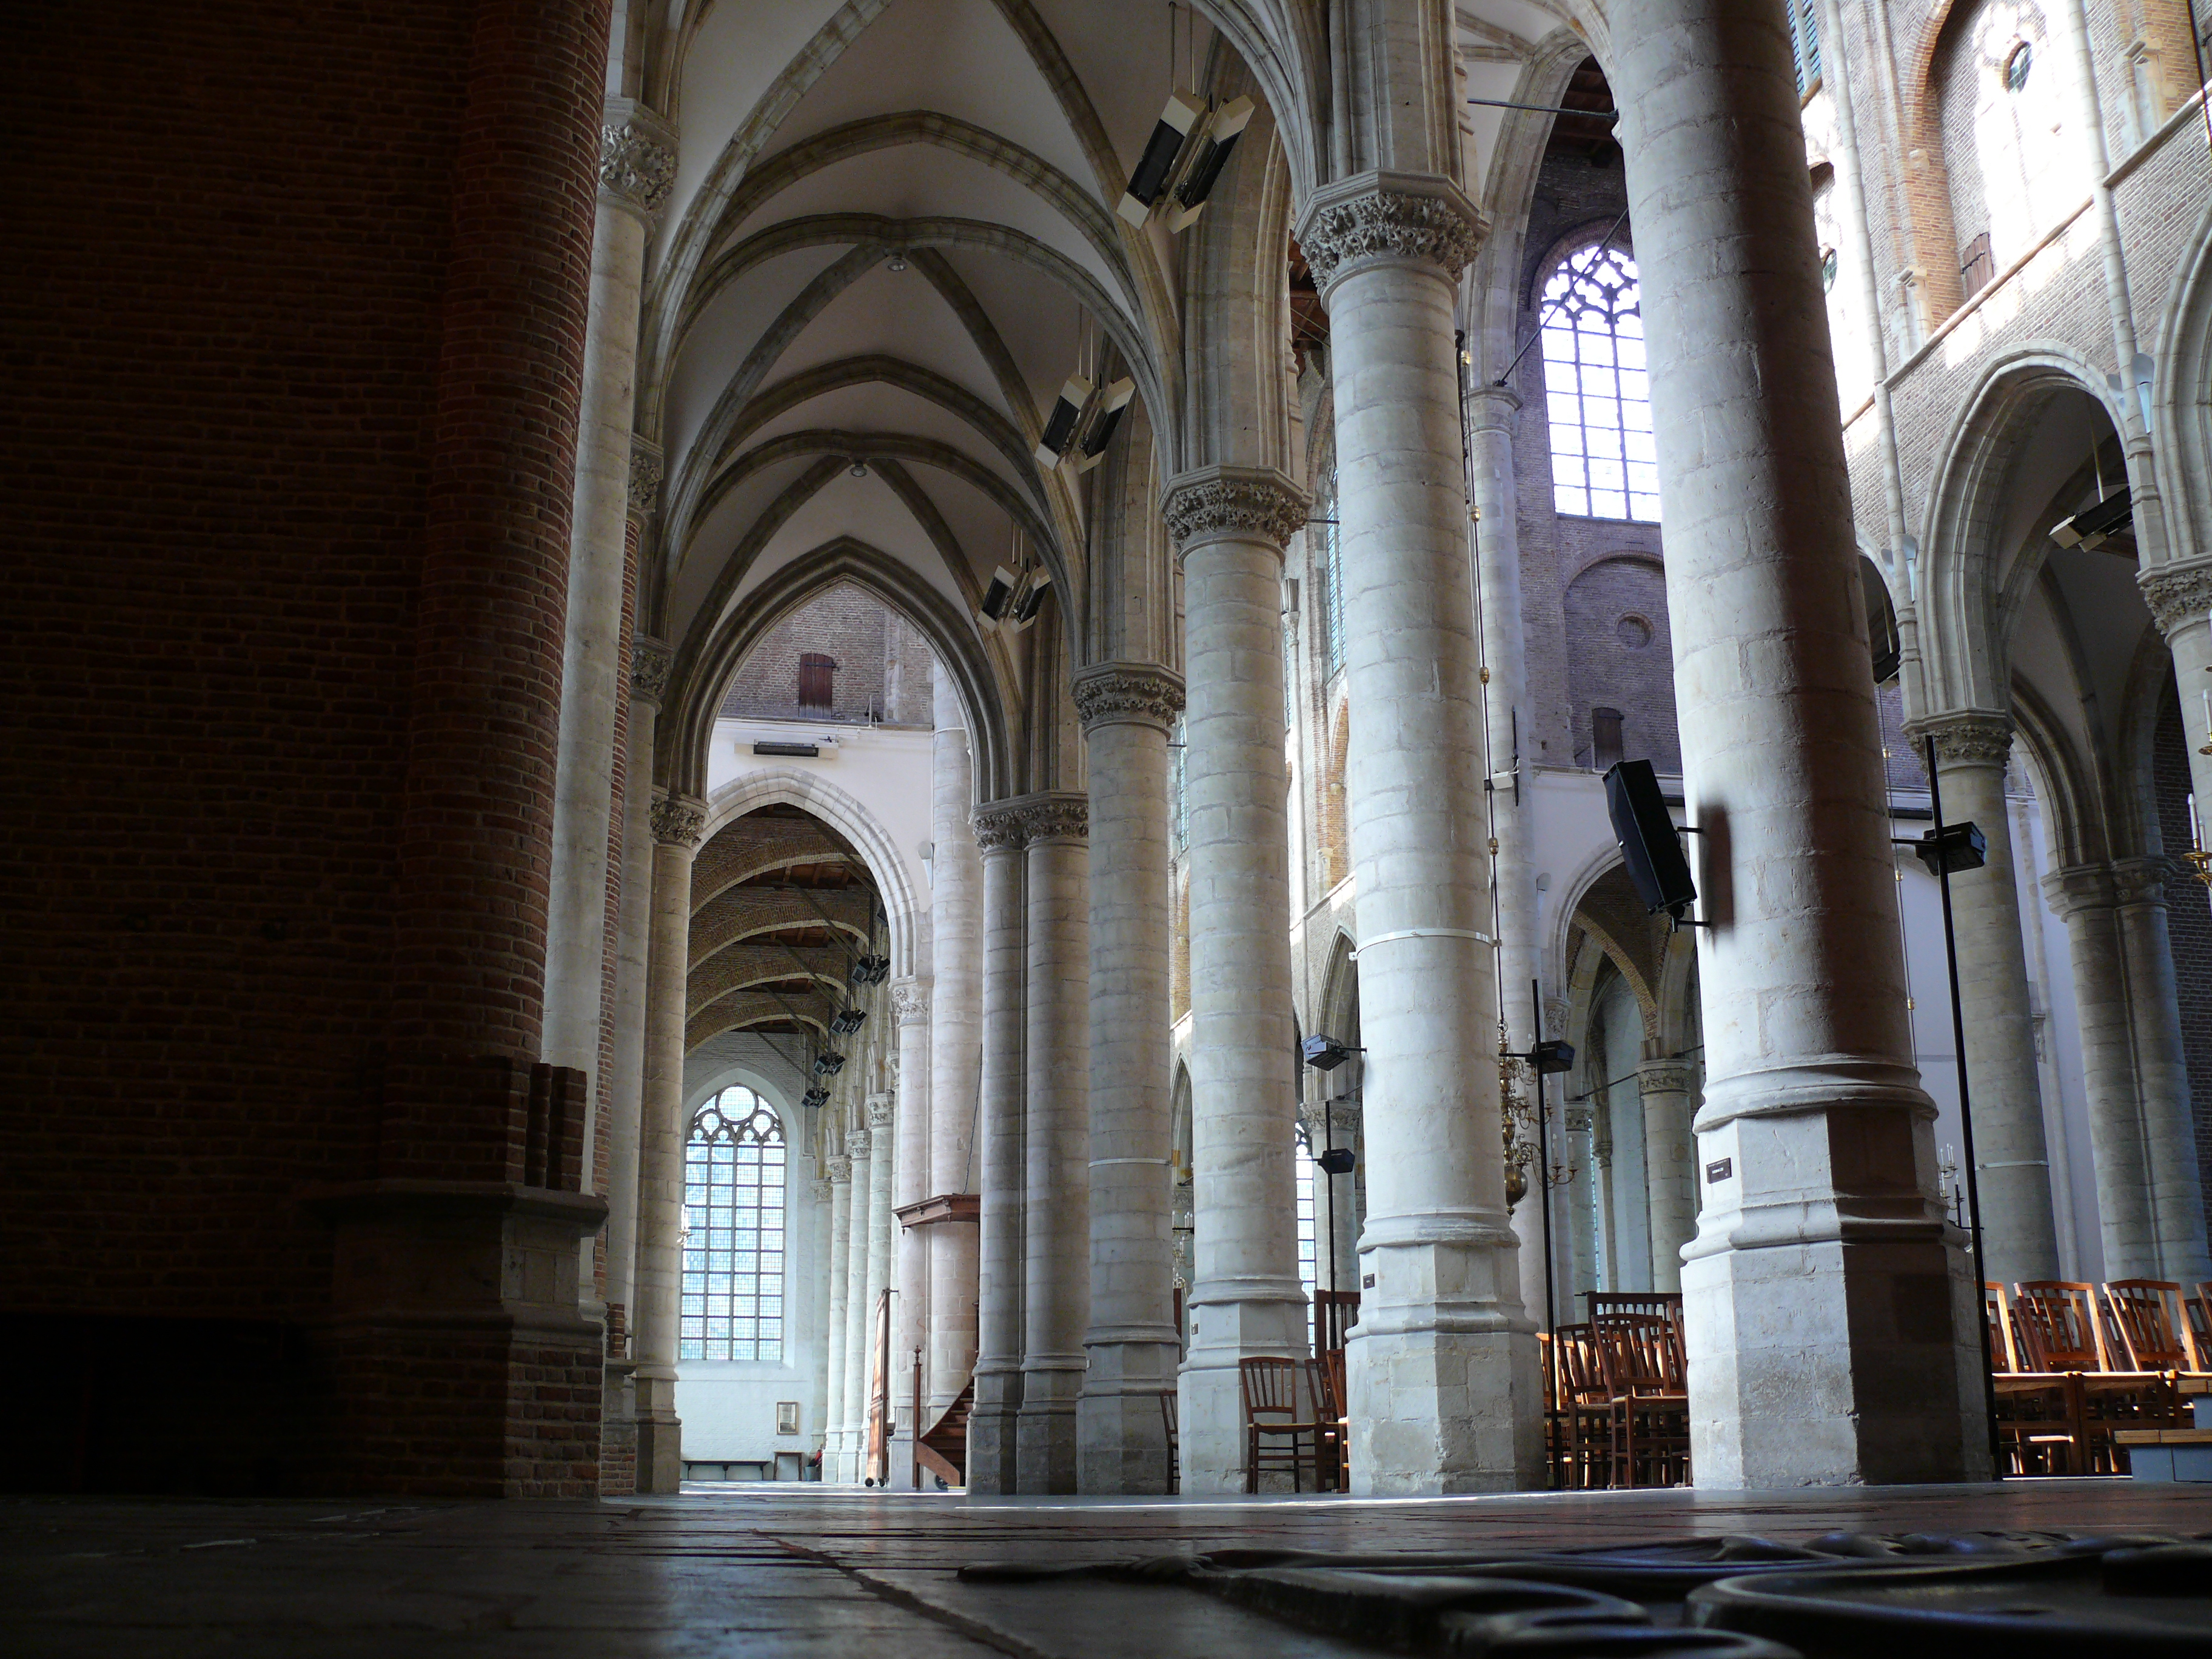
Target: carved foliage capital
(880, 1110)
(645, 469)
(2140, 880)
(999, 829)
(677, 822)
(1972, 736)
(910, 1000)
(1032, 820)
(1663, 1077)
(1128, 693)
(841, 1169)
(1235, 501)
(649, 662)
(1380, 217)
(821, 1191)
(857, 1144)
(637, 162)
(2177, 596)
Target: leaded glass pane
(732, 1290)
(1599, 389)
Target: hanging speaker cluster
(1014, 599)
(1182, 161)
(1082, 423)
(1651, 845)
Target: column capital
(822, 1192)
(2079, 887)
(841, 1171)
(858, 1144)
(1966, 736)
(999, 828)
(2177, 594)
(645, 469)
(1492, 408)
(1248, 502)
(1663, 1077)
(1127, 694)
(637, 157)
(910, 1000)
(678, 820)
(880, 1110)
(2140, 880)
(1049, 816)
(650, 661)
(1389, 218)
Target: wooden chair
(2152, 1329)
(1325, 1379)
(1169, 1417)
(2039, 1416)
(1666, 1304)
(2062, 1332)
(1272, 1412)
(1584, 1408)
(1649, 1406)
(1334, 1313)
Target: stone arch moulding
(1566, 898)
(702, 678)
(2181, 397)
(811, 792)
(1340, 985)
(1964, 596)
(2074, 809)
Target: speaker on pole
(1648, 841)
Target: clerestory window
(1805, 44)
(1603, 463)
(1330, 564)
(733, 1174)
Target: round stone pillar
(853, 1393)
(637, 164)
(1829, 1308)
(2180, 600)
(992, 1423)
(1055, 1139)
(1230, 525)
(1441, 1369)
(909, 1004)
(882, 1168)
(2011, 1165)
(1670, 1178)
(1128, 710)
(835, 1330)
(677, 823)
(2176, 1199)
(956, 1041)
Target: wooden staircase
(943, 1448)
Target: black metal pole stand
(1543, 1184)
(1965, 1117)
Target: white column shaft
(837, 1330)
(1670, 1177)
(991, 1425)
(625, 1098)
(881, 1164)
(859, 1315)
(956, 880)
(2176, 1232)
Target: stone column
(882, 1136)
(2019, 1239)
(837, 1331)
(992, 1425)
(910, 1185)
(1230, 525)
(1442, 1368)
(2175, 1200)
(1670, 1177)
(1128, 710)
(637, 164)
(1829, 1308)
(1496, 498)
(677, 823)
(818, 1293)
(955, 881)
(1055, 1139)
(860, 1147)
(2180, 600)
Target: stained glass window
(1603, 465)
(1332, 578)
(733, 1171)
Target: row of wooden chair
(2074, 1364)
(1617, 1409)
(1294, 1420)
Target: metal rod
(1965, 1118)
(1555, 304)
(1546, 109)
(1543, 1184)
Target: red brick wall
(289, 464)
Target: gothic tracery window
(1603, 465)
(733, 1175)
(1330, 564)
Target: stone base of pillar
(1045, 1429)
(475, 1283)
(618, 1429)
(1210, 1392)
(993, 1433)
(1120, 1432)
(1439, 1412)
(659, 1431)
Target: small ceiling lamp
(897, 261)
(859, 468)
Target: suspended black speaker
(1646, 831)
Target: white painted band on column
(1101, 1162)
(1423, 933)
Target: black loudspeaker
(1648, 838)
